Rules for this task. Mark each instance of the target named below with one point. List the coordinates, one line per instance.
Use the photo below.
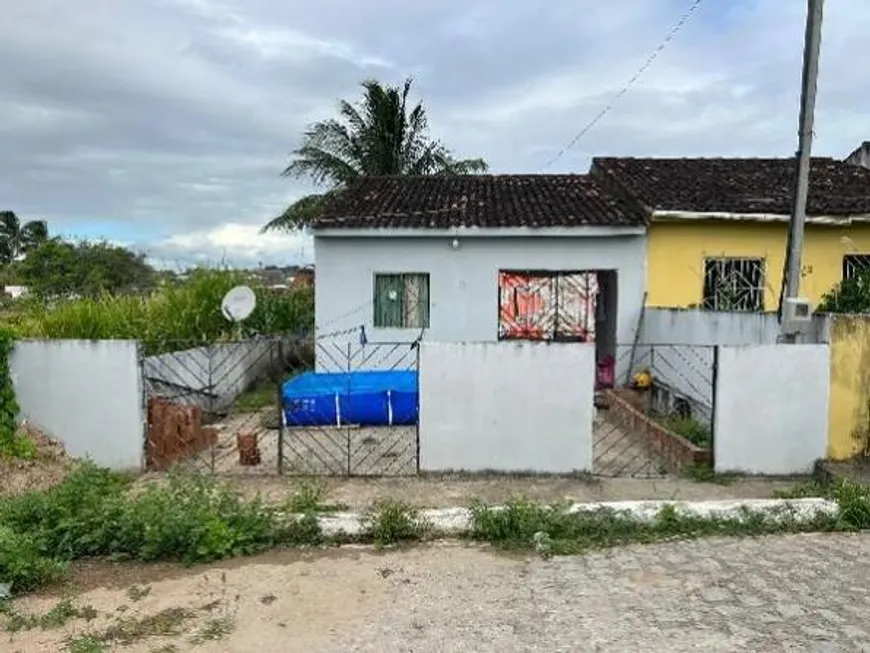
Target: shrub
(22, 564)
(172, 315)
(391, 522)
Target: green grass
(257, 399)
(196, 518)
(554, 530)
(391, 522)
(172, 317)
(690, 428)
(189, 518)
(87, 644)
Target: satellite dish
(238, 303)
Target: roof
(759, 186)
(478, 201)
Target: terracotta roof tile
(478, 201)
(736, 185)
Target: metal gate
(322, 432)
(218, 407)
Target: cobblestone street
(791, 593)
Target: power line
(616, 98)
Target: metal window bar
(734, 284)
(854, 265)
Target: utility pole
(812, 45)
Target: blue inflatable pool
(363, 398)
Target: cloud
(167, 122)
(240, 245)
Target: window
(855, 264)
(402, 301)
(547, 305)
(734, 284)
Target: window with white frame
(855, 264)
(401, 301)
(734, 284)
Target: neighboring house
(718, 227)
(15, 292)
(303, 278)
(481, 258)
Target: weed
(804, 489)
(690, 428)
(704, 473)
(391, 522)
(58, 616)
(166, 623)
(307, 496)
(87, 644)
(138, 592)
(191, 518)
(214, 629)
(166, 648)
(555, 529)
(172, 315)
(256, 400)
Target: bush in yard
(13, 444)
(190, 518)
(391, 522)
(22, 564)
(176, 314)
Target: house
(718, 227)
(481, 258)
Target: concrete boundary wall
(506, 406)
(210, 376)
(87, 394)
(771, 408)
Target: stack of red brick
(175, 433)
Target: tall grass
(182, 312)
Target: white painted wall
(508, 406)
(697, 327)
(464, 280)
(771, 408)
(211, 377)
(87, 394)
(677, 346)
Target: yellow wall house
(717, 239)
(718, 227)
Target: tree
(379, 136)
(851, 295)
(17, 238)
(58, 268)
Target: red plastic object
(605, 373)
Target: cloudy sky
(164, 124)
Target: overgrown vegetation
(555, 530)
(690, 428)
(196, 518)
(851, 295)
(13, 444)
(175, 313)
(189, 519)
(391, 522)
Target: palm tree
(16, 238)
(380, 136)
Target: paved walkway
(794, 593)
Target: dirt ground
(716, 594)
(49, 468)
(446, 491)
